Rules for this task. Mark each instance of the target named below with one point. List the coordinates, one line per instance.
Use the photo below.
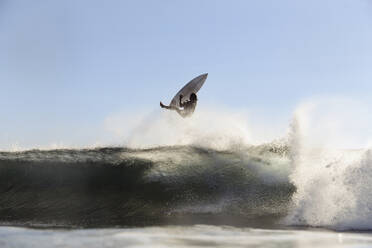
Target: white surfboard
(191, 87)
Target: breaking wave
(203, 170)
(332, 183)
(120, 186)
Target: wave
(332, 183)
(317, 176)
(164, 185)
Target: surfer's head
(193, 97)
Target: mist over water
(211, 128)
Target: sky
(67, 66)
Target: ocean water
(180, 236)
(187, 183)
(179, 196)
(136, 187)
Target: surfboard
(191, 87)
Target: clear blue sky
(66, 65)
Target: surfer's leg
(164, 106)
(167, 107)
(181, 112)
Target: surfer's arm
(181, 104)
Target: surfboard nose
(203, 76)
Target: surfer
(187, 107)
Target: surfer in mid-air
(187, 107)
(184, 102)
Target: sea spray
(331, 179)
(206, 128)
(214, 127)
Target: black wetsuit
(186, 110)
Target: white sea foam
(332, 177)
